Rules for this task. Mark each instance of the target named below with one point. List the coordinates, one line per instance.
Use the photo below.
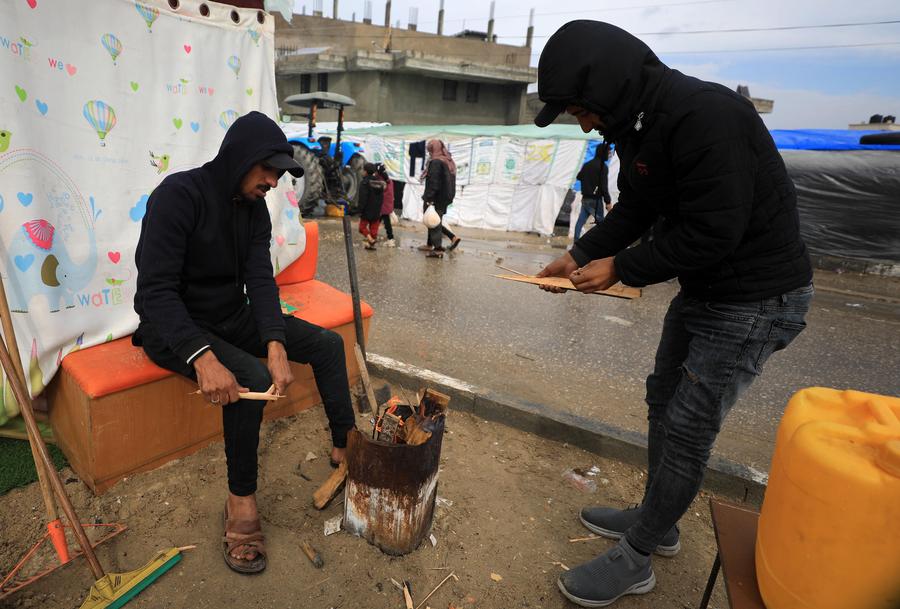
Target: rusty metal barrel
(391, 490)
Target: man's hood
(250, 139)
(601, 68)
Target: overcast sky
(857, 75)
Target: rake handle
(27, 413)
(10, 336)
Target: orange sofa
(115, 413)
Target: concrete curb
(723, 476)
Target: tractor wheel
(351, 177)
(311, 186)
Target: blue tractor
(332, 170)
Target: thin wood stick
(500, 266)
(253, 395)
(183, 548)
(436, 589)
(588, 538)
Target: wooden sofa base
(108, 438)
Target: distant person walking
(594, 176)
(440, 189)
(387, 205)
(371, 198)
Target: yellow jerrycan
(829, 529)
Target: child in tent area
(371, 198)
(387, 207)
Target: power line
(777, 28)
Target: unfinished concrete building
(404, 76)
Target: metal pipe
(413, 18)
(387, 14)
(529, 36)
(490, 32)
(440, 29)
(334, 9)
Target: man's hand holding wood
(596, 275)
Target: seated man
(209, 308)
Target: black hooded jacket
(696, 160)
(201, 245)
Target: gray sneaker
(602, 581)
(612, 523)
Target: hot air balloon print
(226, 118)
(112, 45)
(149, 13)
(234, 62)
(254, 35)
(101, 117)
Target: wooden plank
(735, 527)
(364, 375)
(616, 291)
(331, 486)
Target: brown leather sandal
(246, 534)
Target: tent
(508, 177)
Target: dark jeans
(238, 347)
(589, 207)
(388, 229)
(709, 353)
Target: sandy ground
(512, 514)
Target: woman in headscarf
(440, 189)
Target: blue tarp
(825, 139)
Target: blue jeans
(589, 207)
(709, 353)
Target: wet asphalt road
(587, 354)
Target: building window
(450, 90)
(323, 82)
(305, 83)
(472, 92)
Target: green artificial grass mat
(17, 464)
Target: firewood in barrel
(325, 493)
(413, 433)
(433, 402)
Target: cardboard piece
(616, 291)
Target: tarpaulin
(825, 139)
(849, 202)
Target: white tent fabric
(504, 182)
(134, 92)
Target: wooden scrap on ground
(616, 291)
(588, 538)
(436, 589)
(325, 493)
(314, 557)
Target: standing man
(695, 157)
(594, 177)
(209, 309)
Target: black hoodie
(202, 244)
(696, 159)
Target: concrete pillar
(440, 29)
(413, 18)
(367, 12)
(387, 14)
(334, 10)
(529, 36)
(490, 32)
(317, 8)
